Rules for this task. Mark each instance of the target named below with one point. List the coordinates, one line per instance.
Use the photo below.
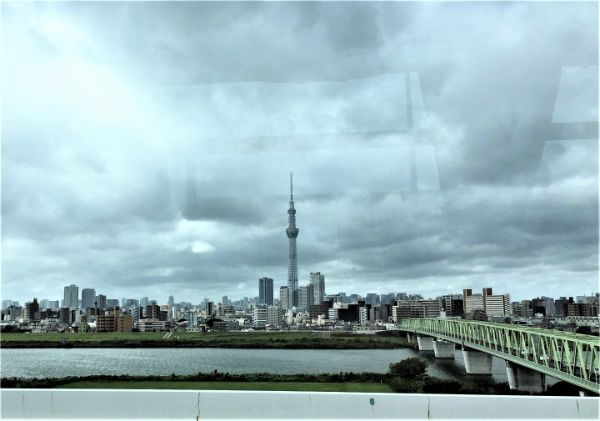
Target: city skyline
(144, 300)
(159, 158)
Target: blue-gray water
(52, 362)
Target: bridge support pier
(477, 362)
(410, 337)
(525, 379)
(425, 343)
(443, 349)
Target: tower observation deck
(292, 234)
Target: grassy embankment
(410, 381)
(216, 385)
(271, 340)
(341, 382)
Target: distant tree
(563, 388)
(409, 368)
(441, 386)
(403, 386)
(480, 315)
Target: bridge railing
(569, 356)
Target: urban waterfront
(39, 363)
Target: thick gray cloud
(146, 147)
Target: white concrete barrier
(203, 404)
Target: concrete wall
(195, 405)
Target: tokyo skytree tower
(292, 233)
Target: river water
(60, 362)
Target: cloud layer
(146, 147)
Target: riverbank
(244, 340)
(216, 385)
(342, 382)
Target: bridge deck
(572, 357)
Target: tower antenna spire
(292, 234)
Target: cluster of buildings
(305, 306)
(316, 310)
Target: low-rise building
(153, 325)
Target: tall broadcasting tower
(292, 233)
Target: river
(60, 362)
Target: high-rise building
(274, 316)
(525, 309)
(112, 302)
(130, 303)
(410, 309)
(88, 296)
(315, 310)
(284, 298)
(372, 298)
(496, 305)
(317, 280)
(210, 309)
(588, 309)
(543, 305)
(100, 301)
(265, 291)
(492, 305)
(452, 304)
(32, 311)
(389, 298)
(71, 296)
(171, 301)
(65, 315)
(152, 311)
(561, 306)
(53, 304)
(292, 234)
(305, 297)
(353, 299)
(472, 302)
(14, 312)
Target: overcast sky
(146, 147)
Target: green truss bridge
(530, 353)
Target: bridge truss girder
(572, 357)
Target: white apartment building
(494, 305)
(259, 316)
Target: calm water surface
(49, 362)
